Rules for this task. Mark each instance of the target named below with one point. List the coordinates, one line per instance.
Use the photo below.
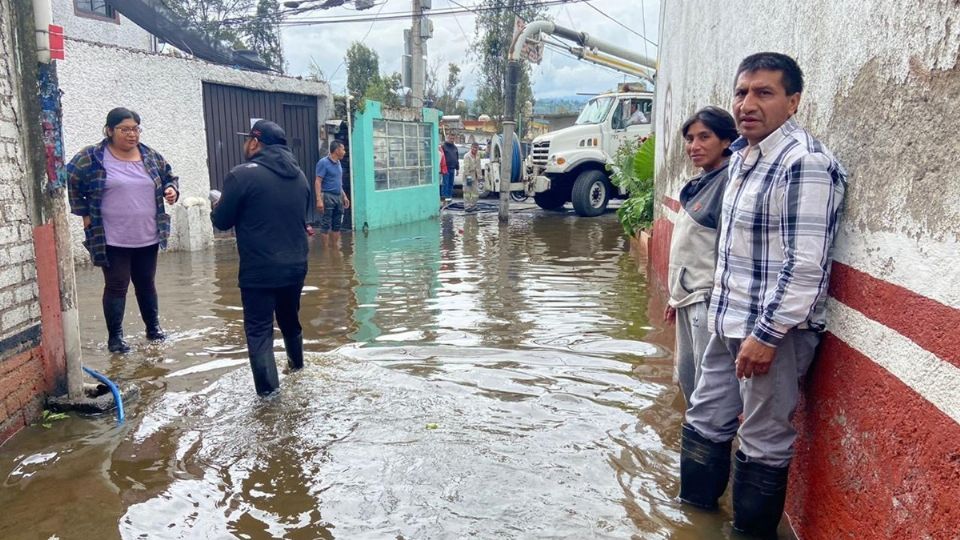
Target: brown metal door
(298, 119)
(227, 110)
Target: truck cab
(569, 165)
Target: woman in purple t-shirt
(119, 186)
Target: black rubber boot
(759, 492)
(265, 377)
(704, 469)
(150, 313)
(294, 348)
(113, 313)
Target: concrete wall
(374, 209)
(878, 455)
(120, 32)
(167, 92)
(31, 350)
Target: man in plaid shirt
(780, 213)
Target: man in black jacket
(452, 156)
(266, 200)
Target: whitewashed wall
(122, 32)
(167, 93)
(882, 92)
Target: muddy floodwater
(464, 381)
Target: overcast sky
(557, 75)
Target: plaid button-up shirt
(86, 179)
(780, 213)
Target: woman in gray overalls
(693, 249)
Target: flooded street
(459, 385)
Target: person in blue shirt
(331, 199)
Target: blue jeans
(446, 185)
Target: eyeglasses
(128, 130)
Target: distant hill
(560, 104)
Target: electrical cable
(598, 10)
(401, 15)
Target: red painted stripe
(48, 283)
(874, 458)
(659, 250)
(924, 321)
(928, 323)
(671, 203)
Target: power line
(598, 10)
(364, 38)
(643, 22)
(407, 14)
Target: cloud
(558, 75)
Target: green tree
(364, 79)
(448, 98)
(363, 68)
(241, 24)
(386, 90)
(263, 34)
(494, 33)
(221, 20)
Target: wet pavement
(462, 383)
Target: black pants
(130, 264)
(259, 308)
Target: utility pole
(509, 110)
(416, 56)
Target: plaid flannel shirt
(780, 213)
(86, 179)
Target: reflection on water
(465, 379)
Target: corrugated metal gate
(227, 110)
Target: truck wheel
(552, 199)
(590, 194)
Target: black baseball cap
(267, 133)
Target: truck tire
(590, 195)
(552, 199)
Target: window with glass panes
(98, 8)
(402, 154)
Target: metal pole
(416, 57)
(509, 108)
(353, 194)
(506, 158)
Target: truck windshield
(595, 111)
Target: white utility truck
(569, 165)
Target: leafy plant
(48, 418)
(632, 170)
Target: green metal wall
(376, 209)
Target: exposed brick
(9, 384)
(17, 361)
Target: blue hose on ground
(113, 390)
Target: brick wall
(21, 357)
